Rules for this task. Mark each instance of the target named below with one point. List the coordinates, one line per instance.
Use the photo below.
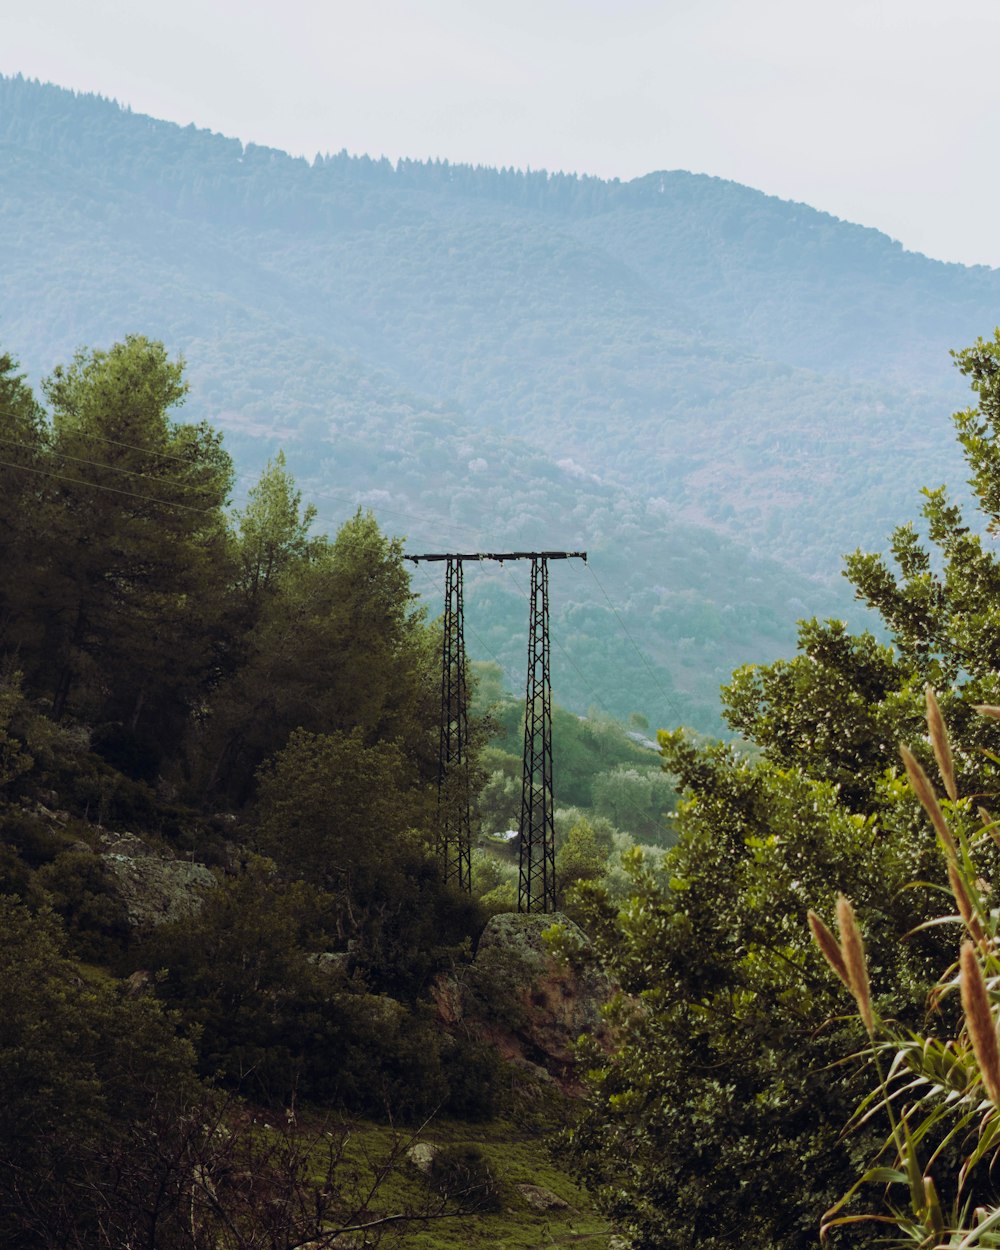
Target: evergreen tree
(271, 532)
(137, 545)
(338, 646)
(23, 465)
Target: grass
(515, 1156)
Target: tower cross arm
(499, 556)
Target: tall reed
(941, 1095)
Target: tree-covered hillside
(222, 904)
(714, 392)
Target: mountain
(712, 391)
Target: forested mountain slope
(713, 391)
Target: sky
(882, 112)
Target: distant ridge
(714, 391)
(577, 194)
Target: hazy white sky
(880, 111)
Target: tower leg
(537, 868)
(454, 796)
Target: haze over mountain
(713, 391)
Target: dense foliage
(600, 767)
(90, 1078)
(161, 657)
(719, 1110)
(493, 358)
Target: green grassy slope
(515, 1157)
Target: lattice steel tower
(536, 872)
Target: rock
(334, 964)
(387, 1014)
(423, 1156)
(55, 815)
(153, 890)
(125, 844)
(138, 983)
(534, 1070)
(447, 995)
(542, 1199)
(537, 1004)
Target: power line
(321, 494)
(322, 520)
(113, 490)
(149, 451)
(167, 503)
(183, 460)
(236, 501)
(112, 468)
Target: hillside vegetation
(240, 1006)
(744, 1091)
(221, 901)
(714, 392)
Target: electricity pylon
(536, 866)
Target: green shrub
(938, 1089)
(474, 1073)
(462, 1174)
(78, 886)
(33, 838)
(87, 1074)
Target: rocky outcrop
(529, 1002)
(152, 888)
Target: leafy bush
(78, 887)
(475, 1073)
(463, 1174)
(723, 1103)
(275, 1016)
(86, 1073)
(33, 838)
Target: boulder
(118, 842)
(152, 888)
(525, 999)
(334, 964)
(423, 1156)
(542, 1199)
